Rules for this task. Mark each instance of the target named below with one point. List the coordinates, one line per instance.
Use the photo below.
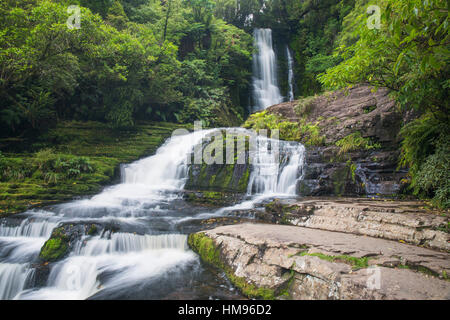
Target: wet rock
(64, 238)
(212, 198)
(230, 174)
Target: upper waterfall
(290, 60)
(265, 84)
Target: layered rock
(404, 221)
(363, 110)
(286, 262)
(223, 182)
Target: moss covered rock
(57, 247)
(225, 175)
(210, 254)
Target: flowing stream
(141, 250)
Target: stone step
(393, 220)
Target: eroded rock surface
(361, 109)
(302, 263)
(395, 220)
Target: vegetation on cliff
(408, 53)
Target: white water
(265, 84)
(290, 60)
(148, 244)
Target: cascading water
(290, 60)
(265, 84)
(277, 166)
(140, 251)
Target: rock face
(361, 173)
(362, 110)
(394, 220)
(300, 263)
(219, 183)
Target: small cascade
(30, 228)
(127, 242)
(168, 167)
(290, 60)
(13, 278)
(265, 83)
(277, 167)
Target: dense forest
(186, 60)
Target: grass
(356, 263)
(25, 184)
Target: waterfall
(290, 60)
(276, 167)
(139, 240)
(265, 85)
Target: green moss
(339, 178)
(92, 230)
(210, 254)
(54, 249)
(357, 263)
(82, 145)
(227, 177)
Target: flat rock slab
(297, 260)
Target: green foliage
(124, 64)
(354, 142)
(54, 166)
(402, 61)
(425, 150)
(310, 133)
(303, 131)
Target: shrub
(13, 169)
(354, 142)
(433, 178)
(305, 132)
(56, 166)
(305, 106)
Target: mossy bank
(74, 159)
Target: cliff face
(341, 113)
(357, 154)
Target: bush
(426, 151)
(305, 106)
(306, 132)
(433, 178)
(355, 142)
(13, 169)
(56, 166)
